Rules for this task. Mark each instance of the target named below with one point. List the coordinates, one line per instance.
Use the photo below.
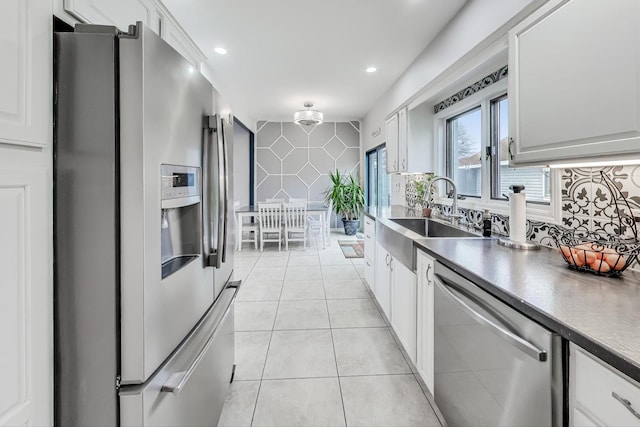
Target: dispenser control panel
(180, 181)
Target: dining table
(312, 209)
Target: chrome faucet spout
(455, 214)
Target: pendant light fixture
(308, 117)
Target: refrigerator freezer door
(162, 104)
(190, 389)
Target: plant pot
(351, 226)
(426, 212)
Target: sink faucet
(455, 214)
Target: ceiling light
(220, 50)
(308, 117)
(371, 70)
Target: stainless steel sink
(398, 234)
(428, 228)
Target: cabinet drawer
(595, 388)
(369, 272)
(369, 238)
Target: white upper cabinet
(410, 140)
(25, 74)
(119, 13)
(574, 82)
(173, 34)
(392, 142)
(122, 13)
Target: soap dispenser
(486, 223)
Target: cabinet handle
(404, 163)
(395, 164)
(368, 263)
(511, 142)
(625, 403)
(368, 237)
(427, 274)
(386, 260)
(391, 263)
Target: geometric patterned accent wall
(295, 161)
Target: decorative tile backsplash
(587, 204)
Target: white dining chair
(270, 215)
(295, 223)
(241, 227)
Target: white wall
(241, 173)
(477, 25)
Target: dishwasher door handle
(519, 342)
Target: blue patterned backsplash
(587, 204)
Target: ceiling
(282, 53)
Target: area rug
(352, 248)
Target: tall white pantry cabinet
(26, 205)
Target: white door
(425, 329)
(26, 242)
(404, 305)
(382, 289)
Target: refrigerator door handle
(206, 182)
(222, 130)
(221, 191)
(178, 380)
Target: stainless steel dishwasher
(493, 366)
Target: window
(476, 151)
(535, 180)
(377, 179)
(464, 152)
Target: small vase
(426, 212)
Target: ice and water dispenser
(181, 217)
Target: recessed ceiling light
(220, 50)
(371, 70)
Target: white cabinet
(426, 326)
(404, 306)
(574, 82)
(25, 74)
(395, 290)
(369, 251)
(410, 140)
(173, 34)
(391, 144)
(382, 288)
(119, 13)
(601, 395)
(122, 13)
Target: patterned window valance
(470, 90)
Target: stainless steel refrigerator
(143, 233)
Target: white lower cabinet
(382, 287)
(395, 290)
(425, 316)
(601, 395)
(370, 251)
(403, 306)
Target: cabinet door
(25, 74)
(574, 82)
(403, 138)
(425, 315)
(119, 13)
(180, 41)
(26, 295)
(392, 143)
(382, 287)
(404, 305)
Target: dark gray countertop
(600, 314)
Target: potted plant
(421, 190)
(347, 196)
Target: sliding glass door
(377, 179)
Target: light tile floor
(312, 348)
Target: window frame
(537, 211)
(379, 200)
(449, 152)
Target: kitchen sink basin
(427, 228)
(397, 235)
